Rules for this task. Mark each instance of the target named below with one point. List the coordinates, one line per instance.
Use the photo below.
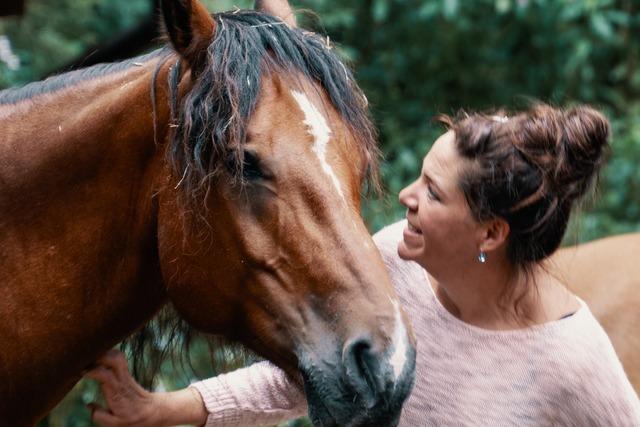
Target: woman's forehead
(442, 158)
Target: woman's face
(441, 233)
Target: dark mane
(70, 79)
(211, 121)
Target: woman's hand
(131, 405)
(128, 403)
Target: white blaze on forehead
(399, 356)
(319, 129)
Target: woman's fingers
(128, 404)
(116, 362)
(104, 376)
(101, 416)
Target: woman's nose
(408, 197)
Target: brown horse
(224, 176)
(606, 274)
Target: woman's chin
(404, 252)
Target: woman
(500, 340)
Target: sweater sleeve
(258, 395)
(601, 394)
(604, 402)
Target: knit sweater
(563, 372)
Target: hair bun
(529, 169)
(580, 151)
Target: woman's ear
(493, 234)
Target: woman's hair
(529, 169)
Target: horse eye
(251, 166)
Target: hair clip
(500, 119)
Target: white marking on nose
(318, 128)
(399, 356)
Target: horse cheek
(195, 287)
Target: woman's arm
(258, 395)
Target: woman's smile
(413, 228)
(412, 235)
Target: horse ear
(278, 8)
(190, 28)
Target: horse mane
(167, 337)
(72, 78)
(210, 126)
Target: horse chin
(318, 413)
(329, 407)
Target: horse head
(259, 231)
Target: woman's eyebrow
(429, 179)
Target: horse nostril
(363, 371)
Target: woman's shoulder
(579, 336)
(584, 333)
(584, 352)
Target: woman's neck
(499, 297)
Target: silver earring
(482, 257)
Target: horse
(222, 174)
(605, 273)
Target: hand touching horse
(224, 176)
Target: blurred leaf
(601, 26)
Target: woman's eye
(432, 194)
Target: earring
(482, 257)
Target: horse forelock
(210, 124)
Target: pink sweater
(563, 372)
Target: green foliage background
(414, 59)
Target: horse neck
(79, 170)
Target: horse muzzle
(358, 386)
